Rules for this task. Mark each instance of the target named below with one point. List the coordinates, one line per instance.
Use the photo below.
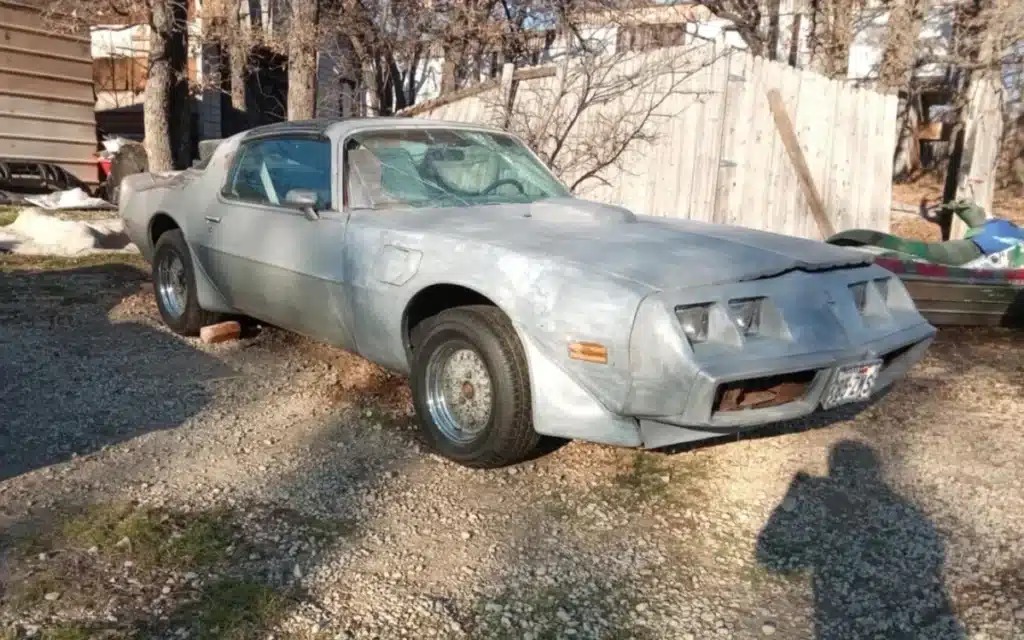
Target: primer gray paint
(562, 270)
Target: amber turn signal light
(588, 352)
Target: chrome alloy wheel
(171, 284)
(459, 395)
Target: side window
(266, 170)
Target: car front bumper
(703, 419)
(675, 393)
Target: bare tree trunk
(773, 29)
(397, 83)
(448, 79)
(166, 112)
(181, 102)
(302, 50)
(831, 36)
(372, 87)
(981, 122)
(239, 63)
(906, 155)
(410, 79)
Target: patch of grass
(234, 609)
(544, 603)
(83, 559)
(7, 216)
(647, 476)
(150, 537)
(76, 631)
(66, 632)
(82, 550)
(32, 589)
(322, 529)
(19, 262)
(654, 477)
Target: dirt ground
(153, 487)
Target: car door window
(266, 170)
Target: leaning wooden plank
(796, 156)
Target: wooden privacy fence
(715, 152)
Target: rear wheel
(174, 283)
(471, 388)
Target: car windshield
(418, 168)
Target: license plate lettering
(852, 383)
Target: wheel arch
(210, 297)
(432, 300)
(160, 223)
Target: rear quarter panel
(185, 196)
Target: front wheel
(471, 388)
(174, 283)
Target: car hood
(662, 253)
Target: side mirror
(304, 200)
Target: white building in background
(120, 53)
(657, 25)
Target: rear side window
(264, 171)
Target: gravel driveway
(271, 487)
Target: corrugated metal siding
(46, 93)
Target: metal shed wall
(46, 93)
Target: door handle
(213, 219)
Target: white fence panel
(713, 153)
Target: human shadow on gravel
(72, 381)
(875, 559)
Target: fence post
(506, 93)
(725, 180)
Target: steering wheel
(503, 181)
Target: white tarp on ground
(37, 232)
(71, 199)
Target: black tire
(508, 436)
(192, 317)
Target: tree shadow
(213, 569)
(876, 560)
(73, 381)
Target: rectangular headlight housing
(859, 291)
(746, 313)
(882, 285)
(694, 321)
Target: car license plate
(852, 383)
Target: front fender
(553, 305)
(564, 407)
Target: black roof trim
(300, 127)
(316, 127)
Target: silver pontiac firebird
(450, 253)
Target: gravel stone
(882, 521)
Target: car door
(272, 260)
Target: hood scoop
(576, 210)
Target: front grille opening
(892, 356)
(760, 393)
